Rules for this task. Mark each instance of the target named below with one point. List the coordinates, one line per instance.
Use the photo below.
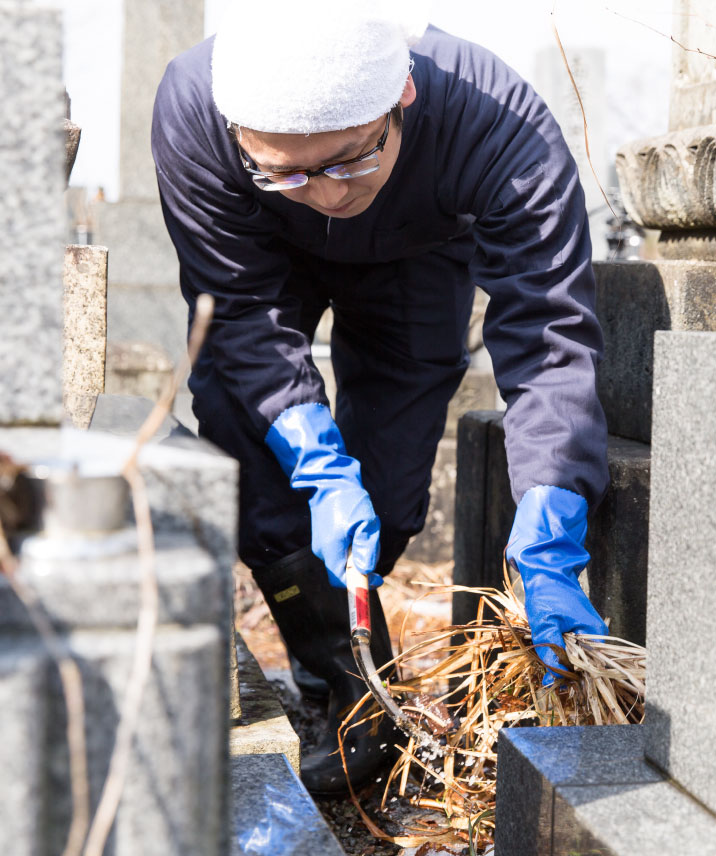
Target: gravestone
(144, 303)
(32, 220)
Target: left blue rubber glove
(546, 545)
(310, 450)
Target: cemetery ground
(398, 595)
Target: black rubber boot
(311, 687)
(312, 616)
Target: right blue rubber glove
(310, 449)
(546, 546)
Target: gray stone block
(145, 57)
(32, 224)
(484, 508)
(634, 300)
(193, 486)
(84, 341)
(273, 813)
(263, 727)
(563, 791)
(105, 592)
(617, 536)
(23, 674)
(681, 633)
(618, 542)
(172, 798)
(141, 252)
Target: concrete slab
(264, 727)
(272, 813)
(681, 632)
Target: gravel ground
(341, 815)
(398, 596)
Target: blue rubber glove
(310, 450)
(546, 545)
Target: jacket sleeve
(226, 244)
(533, 259)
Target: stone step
(618, 533)
(263, 727)
(634, 300)
(572, 790)
(273, 813)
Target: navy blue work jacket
(483, 173)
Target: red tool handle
(358, 603)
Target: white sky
(637, 61)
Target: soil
(398, 595)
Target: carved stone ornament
(668, 182)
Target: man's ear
(409, 94)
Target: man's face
(341, 198)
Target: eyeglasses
(355, 167)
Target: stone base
(563, 791)
(264, 727)
(635, 299)
(618, 532)
(271, 809)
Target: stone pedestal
(32, 225)
(634, 300)
(174, 791)
(681, 635)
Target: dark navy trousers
(399, 352)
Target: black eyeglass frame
(314, 173)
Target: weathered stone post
(145, 305)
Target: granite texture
(617, 535)
(84, 341)
(681, 632)
(637, 819)
(105, 592)
(273, 813)
(588, 790)
(263, 727)
(617, 540)
(634, 300)
(32, 218)
(172, 798)
(154, 33)
(533, 762)
(23, 674)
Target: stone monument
(145, 306)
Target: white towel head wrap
(307, 66)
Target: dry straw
(482, 677)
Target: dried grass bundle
(482, 677)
